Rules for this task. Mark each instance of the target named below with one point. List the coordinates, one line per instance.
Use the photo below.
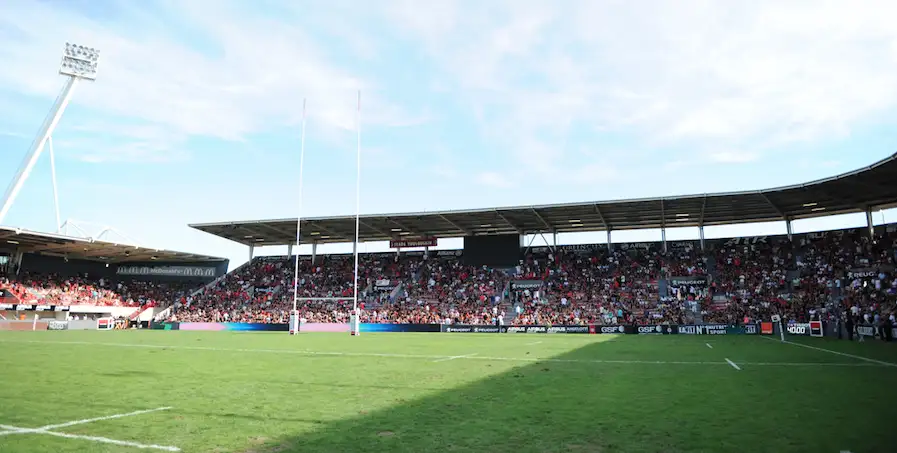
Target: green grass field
(263, 392)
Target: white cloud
(250, 77)
(494, 179)
(732, 157)
(743, 74)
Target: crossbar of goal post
(299, 320)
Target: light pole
(78, 63)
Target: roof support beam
(455, 225)
(663, 225)
(405, 228)
(773, 205)
(278, 231)
(601, 217)
(330, 232)
(384, 233)
(663, 217)
(701, 218)
(511, 224)
(542, 219)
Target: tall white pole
(357, 201)
(37, 146)
(299, 215)
(55, 189)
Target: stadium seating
(50, 289)
(747, 279)
(738, 280)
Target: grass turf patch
(256, 392)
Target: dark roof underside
(873, 187)
(84, 249)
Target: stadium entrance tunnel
(627, 394)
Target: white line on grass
(432, 357)
(106, 440)
(708, 345)
(46, 430)
(733, 364)
(97, 419)
(446, 359)
(533, 343)
(880, 362)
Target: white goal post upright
(295, 321)
(353, 320)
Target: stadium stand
(731, 280)
(54, 275)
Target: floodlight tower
(78, 63)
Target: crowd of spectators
(823, 275)
(52, 289)
(392, 289)
(591, 286)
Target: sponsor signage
(798, 328)
(471, 329)
(636, 246)
(866, 331)
(746, 241)
(548, 329)
(384, 283)
(526, 284)
(568, 329)
(610, 329)
(868, 272)
(409, 243)
(713, 329)
(167, 271)
(698, 280)
(105, 323)
(30, 307)
(766, 328)
(57, 325)
(574, 248)
(816, 329)
(663, 329)
(649, 329)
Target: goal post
(333, 309)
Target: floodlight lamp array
(81, 52)
(79, 61)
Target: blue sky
(196, 113)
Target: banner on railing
(525, 284)
(546, 329)
(874, 332)
(459, 328)
(32, 307)
(167, 271)
(411, 243)
(662, 329)
(57, 325)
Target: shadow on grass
(602, 407)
